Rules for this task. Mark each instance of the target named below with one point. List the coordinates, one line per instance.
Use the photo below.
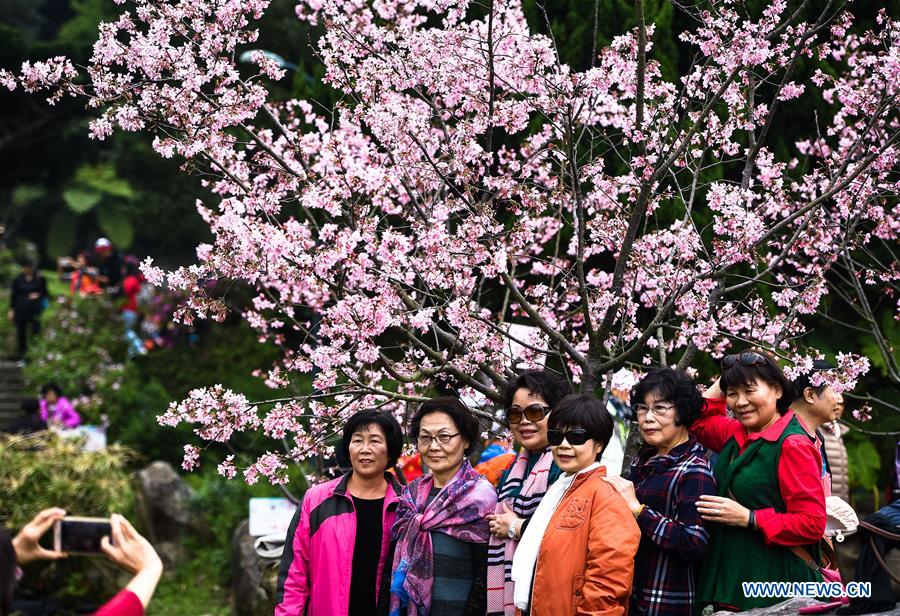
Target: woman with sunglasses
(769, 512)
(668, 476)
(577, 554)
(440, 534)
(529, 399)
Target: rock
(789, 608)
(252, 587)
(165, 508)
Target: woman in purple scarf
(440, 533)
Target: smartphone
(80, 535)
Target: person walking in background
(816, 406)
(27, 299)
(109, 266)
(441, 534)
(495, 458)
(56, 408)
(131, 287)
(836, 453)
(530, 399)
(769, 515)
(83, 276)
(577, 554)
(339, 539)
(618, 406)
(667, 479)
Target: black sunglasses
(748, 358)
(576, 436)
(534, 413)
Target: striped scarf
(501, 551)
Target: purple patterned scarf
(459, 511)
(501, 551)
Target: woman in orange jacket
(577, 553)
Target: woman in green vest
(769, 513)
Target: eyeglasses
(576, 436)
(659, 410)
(748, 358)
(424, 440)
(533, 412)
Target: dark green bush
(44, 470)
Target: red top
(799, 474)
(131, 286)
(125, 603)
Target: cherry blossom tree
(472, 204)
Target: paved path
(11, 392)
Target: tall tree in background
(467, 183)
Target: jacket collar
(583, 476)
(774, 432)
(392, 493)
(675, 454)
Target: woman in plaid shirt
(668, 476)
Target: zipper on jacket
(538, 559)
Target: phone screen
(83, 535)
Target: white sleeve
(614, 455)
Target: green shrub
(43, 470)
(82, 349)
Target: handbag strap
(805, 556)
(880, 560)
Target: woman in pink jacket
(338, 541)
(56, 408)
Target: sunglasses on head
(748, 358)
(533, 412)
(575, 436)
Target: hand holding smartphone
(75, 535)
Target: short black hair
(770, 372)
(583, 411)
(463, 418)
(393, 433)
(674, 386)
(30, 406)
(51, 386)
(7, 571)
(803, 381)
(549, 386)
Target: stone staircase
(12, 393)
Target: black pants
(23, 323)
(867, 567)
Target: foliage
(44, 470)
(193, 588)
(197, 587)
(863, 459)
(82, 349)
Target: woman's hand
(714, 391)
(626, 489)
(27, 542)
(500, 523)
(128, 549)
(723, 510)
